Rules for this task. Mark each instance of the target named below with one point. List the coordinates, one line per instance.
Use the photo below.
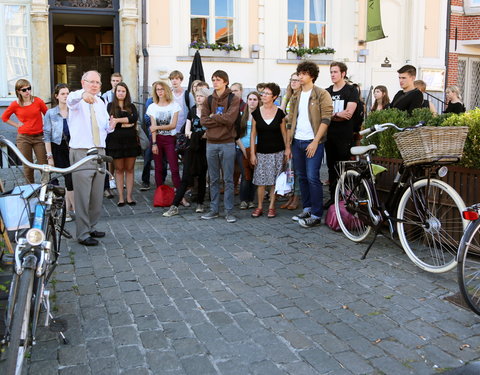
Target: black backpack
(358, 116)
(239, 117)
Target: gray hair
(84, 76)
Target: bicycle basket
(430, 144)
(16, 209)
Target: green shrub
(471, 152)
(386, 144)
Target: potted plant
(215, 49)
(316, 53)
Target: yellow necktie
(95, 130)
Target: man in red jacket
(219, 114)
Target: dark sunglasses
(25, 89)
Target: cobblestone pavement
(263, 296)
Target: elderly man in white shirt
(88, 122)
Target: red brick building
(464, 50)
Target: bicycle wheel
(431, 224)
(349, 191)
(19, 330)
(468, 268)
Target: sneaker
(302, 215)
(112, 184)
(210, 215)
(172, 211)
(200, 209)
(68, 217)
(230, 218)
(309, 222)
(108, 194)
(243, 205)
(145, 186)
(251, 205)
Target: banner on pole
(374, 21)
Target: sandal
(271, 213)
(287, 203)
(293, 205)
(257, 212)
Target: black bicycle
(468, 268)
(425, 212)
(35, 258)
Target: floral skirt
(268, 167)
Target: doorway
(469, 81)
(82, 42)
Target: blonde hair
(167, 90)
(202, 91)
(18, 85)
(455, 90)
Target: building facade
(464, 50)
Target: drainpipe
(144, 52)
(447, 47)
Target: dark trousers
(187, 180)
(337, 148)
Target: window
(471, 7)
(212, 21)
(306, 23)
(14, 47)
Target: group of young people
(240, 142)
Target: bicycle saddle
(361, 150)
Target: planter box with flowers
(317, 53)
(215, 50)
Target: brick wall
(468, 28)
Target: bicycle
(35, 259)
(425, 212)
(468, 268)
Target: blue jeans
(221, 156)
(308, 172)
(247, 188)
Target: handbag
(348, 219)
(282, 186)
(163, 196)
(142, 139)
(182, 142)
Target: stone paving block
(353, 362)
(47, 367)
(321, 361)
(232, 367)
(389, 365)
(104, 366)
(96, 328)
(77, 370)
(266, 367)
(125, 335)
(153, 340)
(130, 357)
(176, 330)
(103, 347)
(198, 365)
(45, 351)
(72, 355)
(162, 361)
(297, 339)
(188, 347)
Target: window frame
(471, 7)
(4, 43)
(306, 21)
(212, 18)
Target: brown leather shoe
(287, 203)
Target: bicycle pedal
(58, 325)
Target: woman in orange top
(28, 110)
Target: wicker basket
(429, 144)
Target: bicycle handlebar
(378, 128)
(92, 154)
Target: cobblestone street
(183, 295)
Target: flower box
(317, 56)
(207, 52)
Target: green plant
(214, 46)
(471, 152)
(302, 51)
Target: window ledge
(297, 61)
(216, 59)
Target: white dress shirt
(80, 124)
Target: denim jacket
(53, 126)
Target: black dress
(122, 142)
(455, 108)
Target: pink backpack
(331, 220)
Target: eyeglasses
(25, 89)
(266, 93)
(294, 80)
(93, 82)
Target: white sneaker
(68, 217)
(243, 205)
(200, 209)
(172, 211)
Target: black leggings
(337, 148)
(187, 180)
(61, 159)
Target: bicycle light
(442, 171)
(470, 215)
(35, 236)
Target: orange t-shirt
(30, 116)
